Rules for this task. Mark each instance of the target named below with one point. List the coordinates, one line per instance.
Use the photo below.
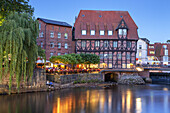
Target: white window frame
(125, 32)
(41, 44)
(58, 53)
(52, 34)
(66, 46)
(101, 32)
(59, 35)
(115, 44)
(110, 32)
(97, 43)
(41, 34)
(166, 52)
(83, 32)
(92, 32)
(59, 45)
(83, 44)
(120, 32)
(51, 54)
(51, 44)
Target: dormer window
(83, 32)
(110, 32)
(122, 32)
(101, 32)
(92, 32)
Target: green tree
(18, 47)
(168, 41)
(7, 6)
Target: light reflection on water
(118, 99)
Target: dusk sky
(151, 16)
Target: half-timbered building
(110, 34)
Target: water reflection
(119, 99)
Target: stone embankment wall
(75, 77)
(37, 83)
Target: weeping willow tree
(18, 48)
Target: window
(58, 53)
(140, 46)
(166, 52)
(101, 32)
(101, 56)
(51, 44)
(83, 32)
(125, 32)
(52, 34)
(128, 56)
(120, 32)
(128, 44)
(151, 46)
(105, 43)
(105, 55)
(41, 34)
(92, 32)
(119, 55)
(41, 44)
(66, 45)
(165, 46)
(140, 54)
(59, 45)
(165, 58)
(59, 35)
(52, 27)
(66, 36)
(110, 32)
(66, 53)
(97, 43)
(110, 56)
(39, 26)
(114, 44)
(51, 54)
(152, 52)
(83, 44)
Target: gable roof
(55, 22)
(145, 39)
(100, 20)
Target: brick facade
(46, 41)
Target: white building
(141, 54)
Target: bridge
(155, 72)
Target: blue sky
(151, 16)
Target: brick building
(159, 53)
(55, 37)
(110, 34)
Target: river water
(150, 98)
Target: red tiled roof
(102, 20)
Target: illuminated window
(152, 52)
(83, 32)
(110, 32)
(59, 35)
(66, 36)
(92, 32)
(101, 32)
(140, 54)
(52, 34)
(151, 46)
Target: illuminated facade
(110, 34)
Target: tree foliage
(7, 6)
(76, 59)
(168, 41)
(18, 48)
